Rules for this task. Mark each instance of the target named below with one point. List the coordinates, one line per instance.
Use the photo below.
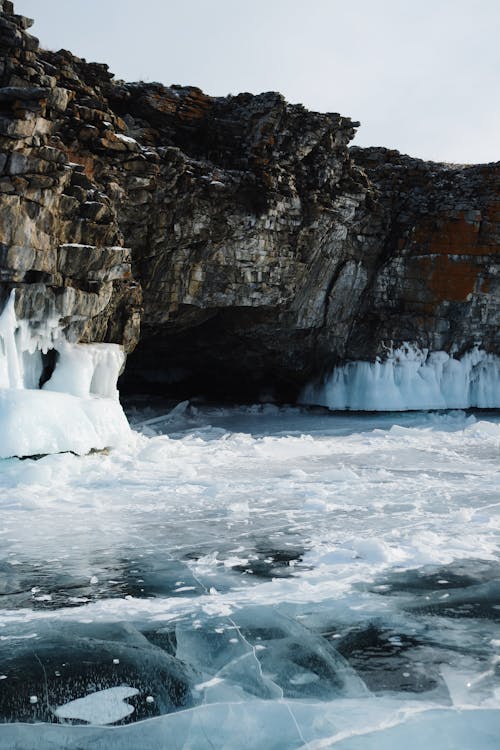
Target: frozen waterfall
(411, 378)
(75, 409)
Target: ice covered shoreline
(410, 379)
(60, 396)
(55, 395)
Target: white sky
(421, 75)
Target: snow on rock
(76, 409)
(410, 378)
(125, 138)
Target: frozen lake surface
(256, 578)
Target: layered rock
(267, 251)
(61, 246)
(438, 283)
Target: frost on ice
(103, 707)
(75, 408)
(410, 378)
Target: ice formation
(263, 577)
(102, 707)
(77, 406)
(410, 379)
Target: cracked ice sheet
(384, 725)
(297, 514)
(360, 503)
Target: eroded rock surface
(61, 246)
(267, 251)
(439, 280)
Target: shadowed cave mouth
(246, 356)
(239, 355)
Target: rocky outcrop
(61, 246)
(266, 250)
(438, 283)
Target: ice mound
(412, 379)
(39, 422)
(73, 408)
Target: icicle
(11, 364)
(84, 369)
(77, 408)
(411, 378)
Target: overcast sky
(422, 76)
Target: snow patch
(125, 138)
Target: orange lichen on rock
(449, 278)
(485, 286)
(161, 102)
(194, 106)
(454, 235)
(20, 108)
(191, 106)
(77, 157)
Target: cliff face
(266, 250)
(61, 246)
(438, 283)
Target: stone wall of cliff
(61, 246)
(265, 249)
(438, 283)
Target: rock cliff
(265, 250)
(438, 281)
